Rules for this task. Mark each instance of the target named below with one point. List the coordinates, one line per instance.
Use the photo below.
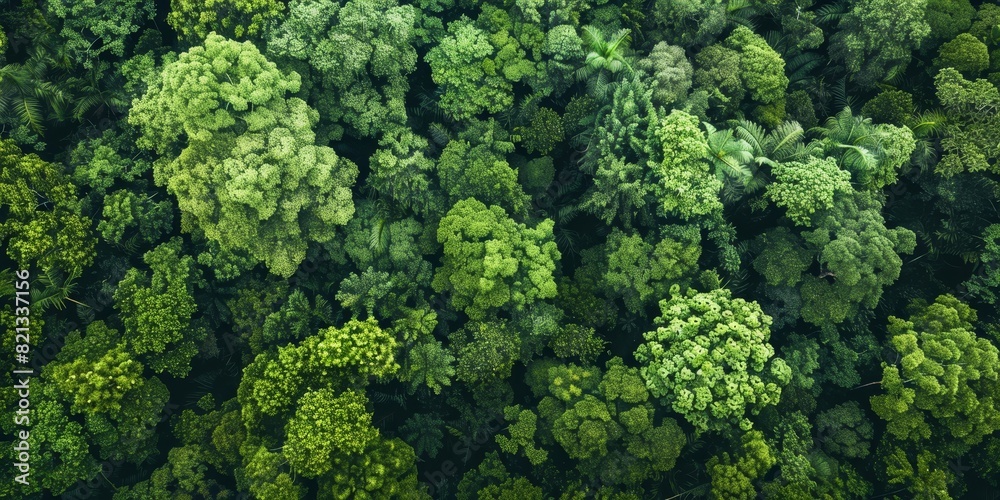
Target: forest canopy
(508, 249)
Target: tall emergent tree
(710, 359)
(240, 156)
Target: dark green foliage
(965, 53)
(518, 249)
(889, 106)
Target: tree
(690, 23)
(361, 54)
(480, 171)
(577, 341)
(522, 435)
(295, 320)
(971, 135)
(195, 20)
(965, 53)
(858, 257)
(670, 71)
(485, 351)
(890, 106)
(96, 376)
(874, 40)
(42, 225)
(99, 385)
(84, 24)
(761, 68)
(157, 310)
(544, 132)
(605, 421)
(378, 238)
(873, 153)
(743, 65)
(608, 56)
(984, 285)
(949, 18)
(384, 469)
(429, 364)
(710, 359)
(954, 375)
(59, 447)
(334, 358)
(361, 292)
(733, 476)
(423, 432)
(400, 171)
(923, 473)
(855, 246)
(805, 188)
(492, 481)
(731, 158)
(684, 185)
(462, 65)
(327, 424)
(240, 157)
(845, 430)
(124, 210)
(638, 271)
(620, 146)
(492, 262)
(364, 347)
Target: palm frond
(378, 239)
(831, 13)
(800, 67)
(928, 123)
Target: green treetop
(112, 23)
(743, 65)
(476, 69)
(196, 19)
(639, 271)
(972, 135)
(947, 381)
(481, 171)
(875, 39)
(965, 53)
(324, 424)
(240, 157)
(733, 476)
(401, 171)
(386, 468)
(490, 261)
(685, 186)
(711, 360)
(604, 421)
(804, 188)
(361, 53)
(670, 71)
(854, 247)
(857, 255)
(42, 224)
(157, 309)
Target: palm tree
(854, 134)
(29, 89)
(56, 289)
(608, 56)
(731, 158)
(780, 145)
